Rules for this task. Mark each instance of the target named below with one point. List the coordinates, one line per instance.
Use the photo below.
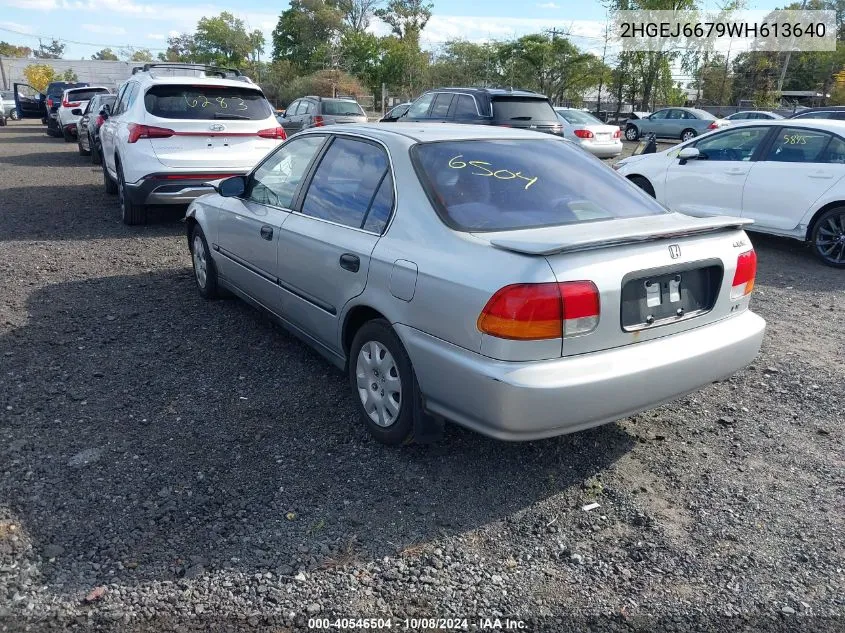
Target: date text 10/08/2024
(424, 624)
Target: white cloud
(38, 5)
(156, 36)
(103, 29)
(548, 5)
(173, 34)
(14, 26)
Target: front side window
(499, 185)
(191, 102)
(660, 114)
(275, 182)
(835, 152)
(346, 182)
(419, 108)
(796, 145)
(738, 144)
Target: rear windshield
(85, 94)
(342, 108)
(500, 185)
(522, 109)
(702, 114)
(206, 102)
(578, 117)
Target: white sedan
(593, 135)
(786, 175)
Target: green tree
(54, 50)
(69, 75)
(305, 33)
(180, 48)
(105, 54)
(357, 14)
(223, 40)
(406, 18)
(136, 55)
(360, 54)
(10, 50)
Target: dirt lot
(167, 463)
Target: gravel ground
(167, 463)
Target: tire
(371, 381)
(109, 184)
(96, 159)
(14, 115)
(828, 237)
(643, 184)
(2, 121)
(67, 135)
(632, 133)
(688, 135)
(44, 121)
(205, 274)
(132, 214)
(83, 151)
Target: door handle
(736, 171)
(350, 262)
(821, 174)
(267, 232)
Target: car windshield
(206, 102)
(498, 185)
(523, 109)
(341, 107)
(579, 117)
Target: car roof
(829, 125)
(87, 88)
(493, 92)
(194, 81)
(821, 109)
(433, 132)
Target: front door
(29, 102)
(713, 184)
(249, 227)
(324, 250)
(797, 169)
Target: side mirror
(105, 112)
(76, 112)
(688, 153)
(232, 187)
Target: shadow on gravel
(783, 262)
(49, 159)
(74, 212)
(146, 430)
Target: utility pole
(788, 56)
(603, 57)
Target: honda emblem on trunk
(674, 251)
(216, 127)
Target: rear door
(799, 166)
(440, 106)
(289, 120)
(215, 126)
(249, 228)
(713, 184)
(325, 248)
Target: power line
(67, 41)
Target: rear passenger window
(345, 184)
(465, 107)
(381, 207)
(440, 109)
(794, 145)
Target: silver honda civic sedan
(500, 279)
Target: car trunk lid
(655, 275)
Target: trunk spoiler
(604, 234)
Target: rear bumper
(535, 400)
(603, 150)
(169, 191)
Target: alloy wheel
(200, 263)
(379, 384)
(830, 239)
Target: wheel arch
(633, 177)
(821, 210)
(356, 317)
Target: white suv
(176, 127)
(73, 105)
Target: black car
(395, 113)
(825, 112)
(53, 100)
(486, 106)
(88, 127)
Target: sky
(87, 26)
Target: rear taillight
(541, 311)
(583, 134)
(70, 104)
(713, 126)
(273, 132)
(318, 121)
(138, 131)
(100, 120)
(746, 270)
(617, 133)
(50, 103)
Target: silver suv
(309, 112)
